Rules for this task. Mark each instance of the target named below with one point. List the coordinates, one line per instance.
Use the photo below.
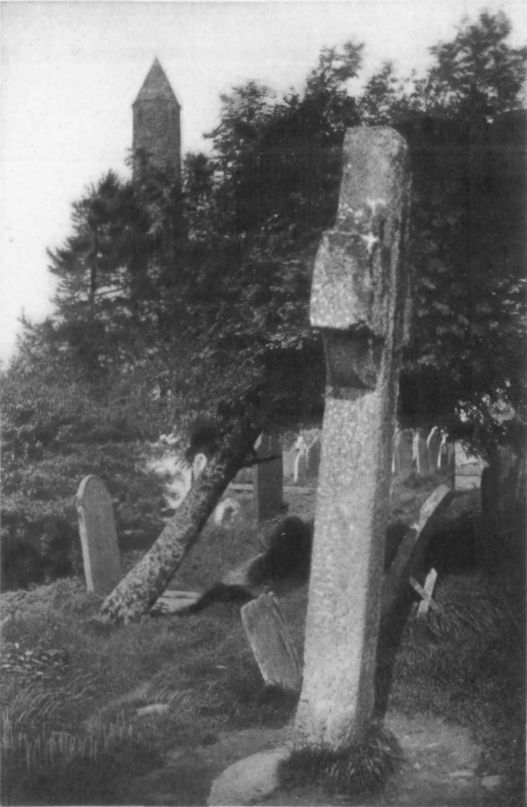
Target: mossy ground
(69, 696)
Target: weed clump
(362, 767)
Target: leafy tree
(254, 212)
(280, 160)
(185, 281)
(465, 127)
(90, 285)
(113, 270)
(478, 73)
(153, 277)
(467, 219)
(161, 282)
(279, 167)
(386, 98)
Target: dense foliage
(177, 300)
(183, 280)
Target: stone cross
(359, 299)
(100, 551)
(426, 594)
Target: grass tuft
(58, 767)
(478, 610)
(363, 767)
(69, 695)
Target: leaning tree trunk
(141, 587)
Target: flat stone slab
(188, 773)
(173, 601)
(243, 488)
(153, 709)
(249, 779)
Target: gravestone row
(412, 453)
(415, 453)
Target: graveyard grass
(70, 731)
(360, 769)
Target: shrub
(34, 550)
(57, 767)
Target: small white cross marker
(369, 240)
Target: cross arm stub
(354, 280)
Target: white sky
(71, 70)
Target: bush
(39, 533)
(56, 767)
(361, 768)
(34, 550)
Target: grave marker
(397, 599)
(404, 441)
(446, 460)
(412, 547)
(299, 467)
(100, 551)
(420, 452)
(359, 299)
(468, 469)
(426, 594)
(273, 648)
(433, 442)
(199, 464)
(288, 461)
(313, 457)
(268, 478)
(300, 470)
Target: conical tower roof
(156, 85)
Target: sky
(70, 72)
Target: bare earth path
(439, 769)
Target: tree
(466, 131)
(141, 587)
(225, 265)
(173, 285)
(279, 160)
(478, 73)
(91, 293)
(115, 268)
(277, 176)
(470, 271)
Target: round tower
(156, 115)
